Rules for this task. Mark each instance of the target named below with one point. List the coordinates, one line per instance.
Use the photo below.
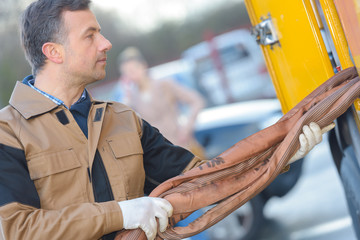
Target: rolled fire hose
(245, 169)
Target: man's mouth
(102, 60)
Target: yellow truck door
(297, 52)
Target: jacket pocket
(128, 154)
(59, 178)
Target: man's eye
(90, 36)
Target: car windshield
(233, 53)
(232, 74)
(228, 55)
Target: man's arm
(85, 221)
(162, 159)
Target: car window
(233, 53)
(204, 64)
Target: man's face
(84, 48)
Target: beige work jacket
(42, 148)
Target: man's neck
(59, 88)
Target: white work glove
(311, 136)
(141, 213)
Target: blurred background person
(159, 101)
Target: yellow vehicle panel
(299, 61)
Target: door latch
(265, 33)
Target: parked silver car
(229, 68)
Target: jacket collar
(29, 103)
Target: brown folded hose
(245, 169)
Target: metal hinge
(265, 33)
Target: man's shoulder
(9, 126)
(9, 118)
(119, 107)
(8, 113)
(125, 112)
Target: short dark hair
(41, 22)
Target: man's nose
(106, 44)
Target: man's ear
(53, 52)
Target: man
(158, 101)
(71, 166)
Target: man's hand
(142, 213)
(311, 136)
